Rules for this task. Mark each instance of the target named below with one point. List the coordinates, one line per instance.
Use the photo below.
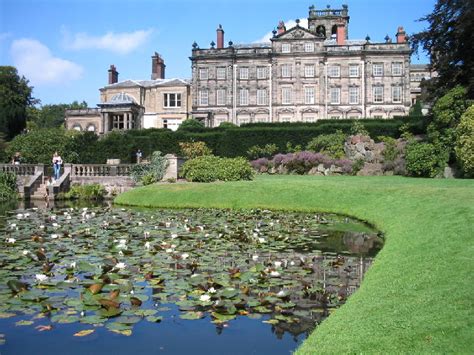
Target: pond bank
(417, 297)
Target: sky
(65, 47)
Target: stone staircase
(41, 192)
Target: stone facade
(135, 104)
(303, 74)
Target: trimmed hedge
(210, 168)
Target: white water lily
(174, 236)
(53, 217)
(212, 290)
(68, 217)
(132, 292)
(277, 263)
(254, 257)
(41, 226)
(173, 246)
(140, 223)
(13, 226)
(147, 246)
(261, 240)
(206, 235)
(146, 234)
(55, 225)
(120, 266)
(25, 252)
(184, 256)
(169, 250)
(85, 209)
(255, 235)
(54, 236)
(168, 224)
(204, 298)
(281, 294)
(292, 263)
(274, 274)
(120, 253)
(26, 215)
(41, 277)
(73, 265)
(19, 216)
(11, 240)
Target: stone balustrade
(97, 170)
(21, 170)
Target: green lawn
(419, 294)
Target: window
(378, 93)
(354, 70)
(165, 123)
(377, 69)
(261, 72)
(203, 74)
(309, 47)
(353, 95)
(335, 95)
(244, 97)
(334, 71)
(261, 97)
(286, 96)
(309, 95)
(91, 128)
(285, 48)
(397, 68)
(203, 97)
(77, 127)
(220, 97)
(286, 71)
(397, 94)
(244, 73)
(309, 71)
(220, 73)
(172, 100)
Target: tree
(50, 116)
(465, 142)
(191, 124)
(449, 40)
(15, 98)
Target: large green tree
(51, 116)
(15, 98)
(449, 40)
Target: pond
(94, 280)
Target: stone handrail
(21, 169)
(34, 182)
(95, 170)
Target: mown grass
(418, 295)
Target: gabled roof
(297, 32)
(148, 83)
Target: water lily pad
(154, 319)
(24, 322)
(84, 332)
(192, 315)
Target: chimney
(113, 75)
(157, 67)
(220, 37)
(341, 34)
(281, 28)
(401, 35)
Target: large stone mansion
(304, 74)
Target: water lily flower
(140, 223)
(19, 216)
(26, 215)
(41, 226)
(85, 209)
(41, 277)
(254, 257)
(212, 290)
(68, 217)
(255, 235)
(277, 263)
(54, 236)
(274, 274)
(120, 253)
(174, 236)
(82, 313)
(11, 240)
(132, 292)
(120, 266)
(168, 224)
(146, 234)
(55, 225)
(204, 298)
(281, 294)
(184, 256)
(173, 246)
(292, 263)
(53, 217)
(261, 240)
(92, 214)
(169, 250)
(147, 246)
(13, 226)
(25, 252)
(73, 265)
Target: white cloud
(288, 24)
(122, 43)
(36, 62)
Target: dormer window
(285, 48)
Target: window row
(287, 97)
(243, 73)
(308, 47)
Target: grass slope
(418, 295)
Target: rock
(321, 168)
(371, 169)
(448, 173)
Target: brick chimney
(281, 28)
(113, 75)
(341, 34)
(157, 67)
(401, 35)
(220, 37)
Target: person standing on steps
(139, 156)
(57, 162)
(16, 159)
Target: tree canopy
(50, 116)
(449, 40)
(15, 98)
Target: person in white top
(57, 162)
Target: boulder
(371, 169)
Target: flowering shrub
(302, 163)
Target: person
(16, 158)
(57, 162)
(139, 156)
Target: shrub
(191, 150)
(330, 144)
(422, 159)
(465, 142)
(211, 168)
(390, 151)
(358, 128)
(7, 186)
(149, 173)
(191, 124)
(290, 149)
(85, 192)
(357, 166)
(266, 151)
(226, 125)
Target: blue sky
(65, 47)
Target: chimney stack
(341, 34)
(401, 35)
(281, 28)
(220, 37)
(113, 75)
(157, 67)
